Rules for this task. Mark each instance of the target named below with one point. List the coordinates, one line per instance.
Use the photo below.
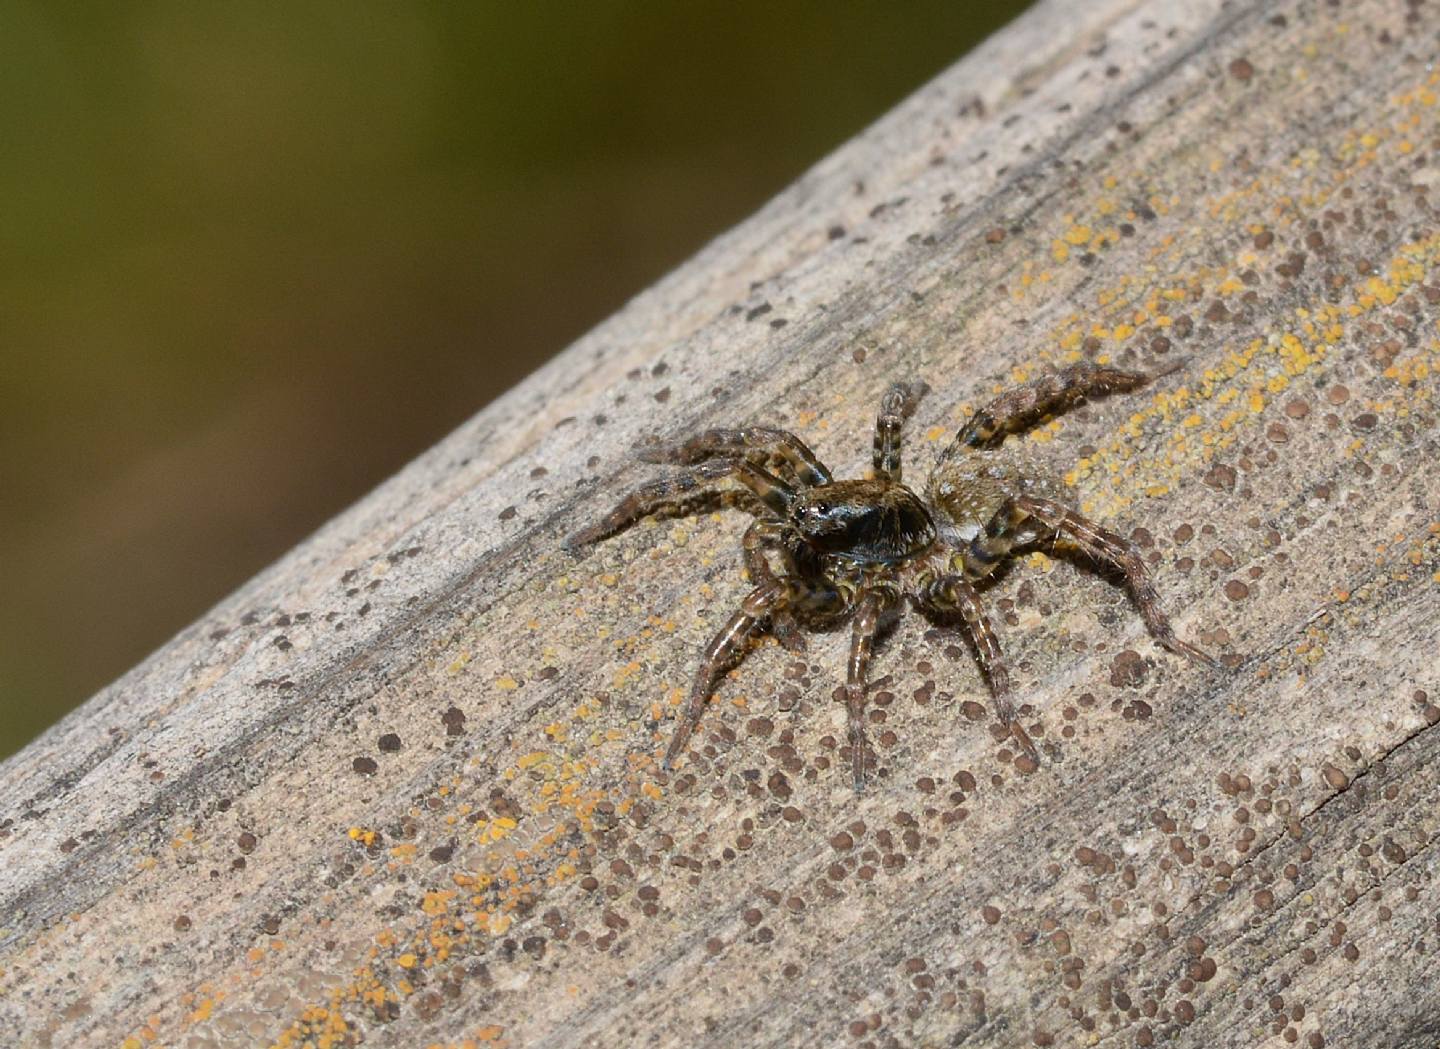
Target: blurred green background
(254, 257)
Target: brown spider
(857, 548)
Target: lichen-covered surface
(403, 789)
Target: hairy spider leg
(790, 451)
(771, 535)
(1056, 391)
(895, 407)
(771, 491)
(955, 593)
(888, 426)
(871, 609)
(724, 647)
(776, 595)
(1110, 548)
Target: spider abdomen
(967, 493)
(873, 522)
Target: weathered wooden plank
(403, 787)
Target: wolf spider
(827, 549)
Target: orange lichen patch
(626, 674)
(437, 901)
(494, 830)
(363, 835)
(1283, 356)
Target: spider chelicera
(823, 549)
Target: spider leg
(773, 492)
(953, 593)
(771, 535)
(868, 616)
(1106, 546)
(1014, 409)
(895, 407)
(723, 648)
(753, 441)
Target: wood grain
(403, 788)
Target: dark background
(255, 257)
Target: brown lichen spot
(1337, 395)
(1277, 433)
(1185, 1011)
(779, 785)
(182, 923)
(454, 721)
(990, 913)
(1220, 477)
(1264, 899)
(1351, 952)
(1040, 1036)
(1203, 971)
(1235, 590)
(994, 236)
(508, 514)
(1060, 940)
(1242, 70)
(1128, 669)
(1297, 409)
(442, 853)
(1365, 422)
(1138, 710)
(388, 743)
(972, 710)
(1336, 778)
(761, 727)
(246, 842)
(365, 766)
(1026, 765)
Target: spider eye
(820, 509)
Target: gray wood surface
(402, 789)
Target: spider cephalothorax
(822, 548)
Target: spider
(823, 549)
